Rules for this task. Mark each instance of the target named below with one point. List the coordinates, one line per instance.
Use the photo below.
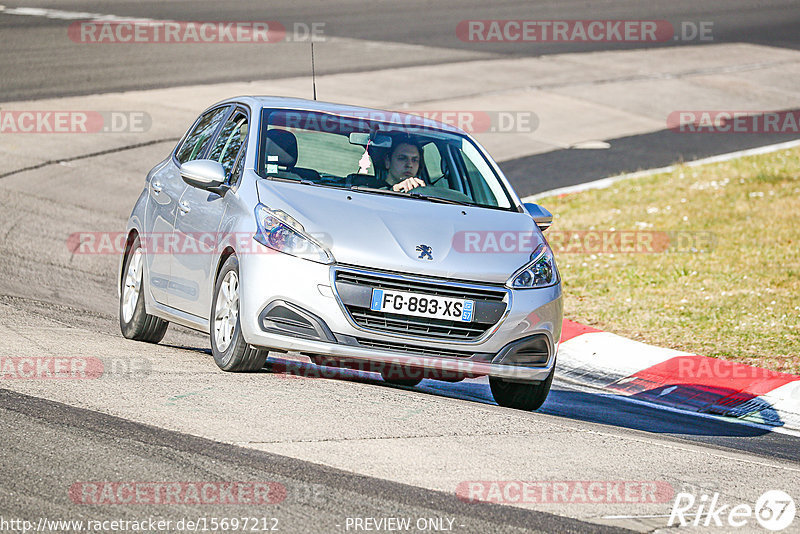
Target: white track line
(606, 182)
(590, 388)
(59, 14)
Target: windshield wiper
(366, 189)
(411, 194)
(290, 180)
(440, 199)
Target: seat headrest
(282, 144)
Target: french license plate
(419, 305)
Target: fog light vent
(531, 352)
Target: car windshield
(356, 152)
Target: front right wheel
(231, 352)
(521, 396)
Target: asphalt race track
(34, 45)
(343, 446)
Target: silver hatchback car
(350, 237)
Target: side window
(229, 141)
(433, 164)
(200, 135)
(482, 192)
(476, 169)
(236, 175)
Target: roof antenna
(313, 74)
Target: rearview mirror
(377, 140)
(205, 174)
(541, 216)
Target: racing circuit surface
(345, 446)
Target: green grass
(739, 299)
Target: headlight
(279, 231)
(540, 272)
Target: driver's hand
(408, 184)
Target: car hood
(393, 233)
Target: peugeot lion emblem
(425, 252)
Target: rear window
(329, 153)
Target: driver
(402, 166)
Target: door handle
(184, 207)
(157, 187)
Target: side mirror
(541, 216)
(205, 174)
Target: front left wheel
(400, 379)
(134, 321)
(521, 396)
(231, 352)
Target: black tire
(238, 356)
(141, 326)
(392, 378)
(521, 396)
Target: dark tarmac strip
(73, 445)
(563, 168)
(570, 401)
(717, 433)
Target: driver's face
(403, 164)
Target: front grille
(431, 328)
(417, 326)
(433, 287)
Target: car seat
(281, 150)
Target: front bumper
(282, 295)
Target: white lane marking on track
(719, 418)
(607, 182)
(65, 15)
(700, 449)
(653, 516)
(591, 145)
(101, 17)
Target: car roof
(382, 115)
